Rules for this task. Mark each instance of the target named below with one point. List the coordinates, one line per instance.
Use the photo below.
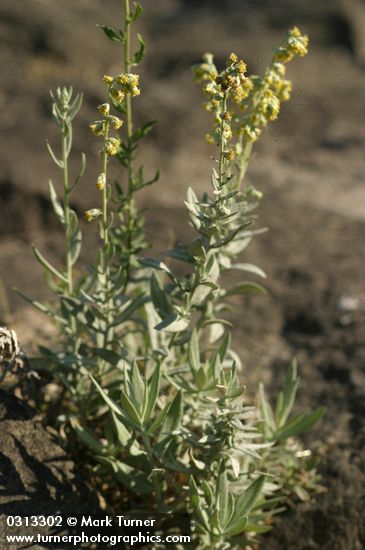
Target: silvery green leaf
(299, 424)
(53, 156)
(137, 11)
(174, 416)
(286, 398)
(216, 331)
(236, 468)
(75, 237)
(129, 410)
(43, 308)
(139, 55)
(194, 493)
(75, 107)
(87, 436)
(81, 171)
(173, 323)
(160, 298)
(152, 393)
(132, 479)
(159, 419)
(231, 235)
(107, 355)
(214, 521)
(237, 527)
(123, 435)
(266, 409)
(155, 264)
(302, 493)
(180, 253)
(112, 34)
(212, 269)
(129, 308)
(57, 206)
(246, 501)
(224, 503)
(246, 287)
(197, 463)
(201, 292)
(233, 394)
(208, 493)
(48, 266)
(111, 404)
(193, 352)
(257, 528)
(201, 378)
(251, 268)
(224, 347)
(56, 286)
(137, 387)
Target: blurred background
(309, 165)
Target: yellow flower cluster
(101, 128)
(101, 182)
(254, 101)
(92, 214)
(269, 92)
(112, 146)
(229, 84)
(119, 86)
(294, 44)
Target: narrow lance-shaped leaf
(286, 398)
(57, 206)
(173, 323)
(160, 298)
(45, 263)
(159, 419)
(136, 388)
(75, 107)
(139, 55)
(87, 436)
(193, 353)
(112, 34)
(266, 409)
(245, 502)
(81, 172)
(111, 404)
(299, 424)
(75, 237)
(138, 10)
(53, 156)
(152, 393)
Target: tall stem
(223, 143)
(129, 127)
(105, 234)
(243, 161)
(66, 208)
(105, 190)
(127, 64)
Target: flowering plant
(151, 383)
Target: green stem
(223, 143)
(129, 128)
(156, 485)
(105, 235)
(127, 63)
(105, 191)
(66, 207)
(243, 161)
